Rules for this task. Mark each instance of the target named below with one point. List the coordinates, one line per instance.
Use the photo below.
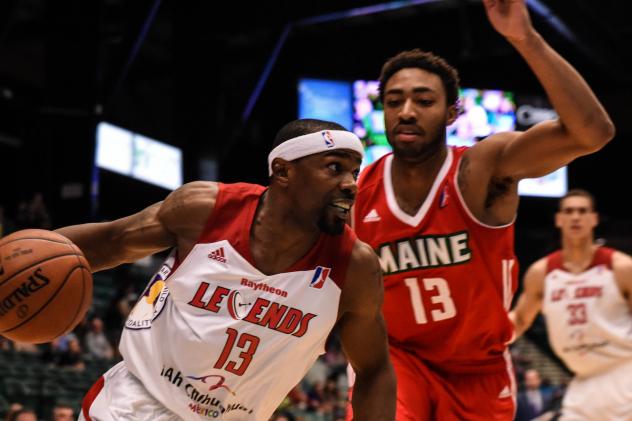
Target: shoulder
(539, 267)
(490, 196)
(535, 274)
(622, 268)
(363, 289)
(621, 260)
(185, 211)
(363, 258)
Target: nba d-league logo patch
(328, 138)
(319, 278)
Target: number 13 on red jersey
(441, 297)
(439, 292)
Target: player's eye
(334, 166)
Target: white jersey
(588, 320)
(214, 338)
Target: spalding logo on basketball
(237, 305)
(45, 286)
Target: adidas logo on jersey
(505, 393)
(218, 255)
(372, 216)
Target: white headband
(317, 142)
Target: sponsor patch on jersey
(214, 381)
(319, 278)
(149, 305)
(328, 138)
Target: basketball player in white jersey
(257, 279)
(585, 294)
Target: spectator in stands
(52, 351)
(534, 400)
(25, 347)
(63, 412)
(6, 225)
(286, 416)
(73, 357)
(39, 217)
(96, 343)
(34, 213)
(24, 414)
(13, 408)
(5, 344)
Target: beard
(329, 224)
(419, 151)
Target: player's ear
(280, 171)
(558, 224)
(453, 113)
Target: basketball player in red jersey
(585, 294)
(441, 220)
(232, 321)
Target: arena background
(219, 84)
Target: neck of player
(578, 254)
(278, 237)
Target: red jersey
(448, 278)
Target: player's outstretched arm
(530, 301)
(363, 337)
(622, 267)
(176, 221)
(583, 125)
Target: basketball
(45, 286)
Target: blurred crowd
(32, 213)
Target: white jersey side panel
(220, 340)
(588, 320)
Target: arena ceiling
(101, 52)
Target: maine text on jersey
(425, 251)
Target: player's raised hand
(509, 17)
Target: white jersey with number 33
(588, 319)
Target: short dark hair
(302, 127)
(578, 193)
(14, 416)
(424, 60)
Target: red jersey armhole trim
(91, 397)
(603, 256)
(554, 261)
(211, 218)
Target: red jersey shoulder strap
(233, 213)
(554, 261)
(603, 256)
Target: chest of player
(216, 288)
(575, 296)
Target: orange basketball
(45, 286)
